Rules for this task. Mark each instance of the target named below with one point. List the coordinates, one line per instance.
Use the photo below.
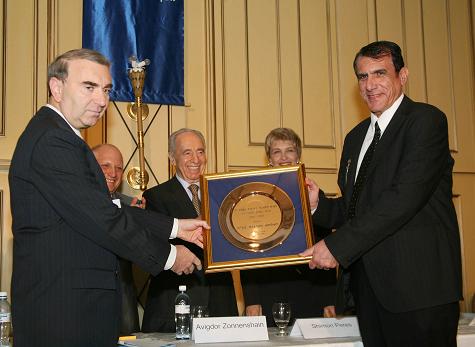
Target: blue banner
(147, 29)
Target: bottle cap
(182, 288)
(3, 294)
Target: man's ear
(172, 159)
(403, 74)
(56, 88)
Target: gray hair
(174, 135)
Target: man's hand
(329, 312)
(313, 191)
(321, 256)
(254, 310)
(140, 203)
(191, 230)
(185, 262)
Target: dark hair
(59, 67)
(283, 134)
(379, 49)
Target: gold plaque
(256, 216)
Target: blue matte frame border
(222, 255)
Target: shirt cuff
(171, 258)
(174, 232)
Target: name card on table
(230, 329)
(314, 328)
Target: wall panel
(3, 66)
(390, 21)
(261, 33)
(415, 52)
(317, 70)
(277, 72)
(19, 38)
(349, 16)
(462, 126)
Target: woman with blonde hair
(311, 293)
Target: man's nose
(113, 172)
(101, 98)
(370, 83)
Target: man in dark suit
(67, 232)
(396, 227)
(187, 152)
(111, 162)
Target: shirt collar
(184, 183)
(387, 115)
(76, 131)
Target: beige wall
(254, 65)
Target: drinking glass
(200, 311)
(281, 314)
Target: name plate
(315, 328)
(230, 329)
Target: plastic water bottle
(5, 320)
(182, 314)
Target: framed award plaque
(258, 218)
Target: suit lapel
(389, 134)
(181, 198)
(352, 159)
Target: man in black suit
(67, 232)
(396, 227)
(111, 162)
(187, 152)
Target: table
(466, 333)
(465, 338)
(168, 340)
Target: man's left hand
(313, 191)
(191, 230)
(321, 256)
(140, 203)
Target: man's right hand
(185, 261)
(191, 230)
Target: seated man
(179, 198)
(112, 165)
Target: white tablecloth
(465, 338)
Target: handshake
(190, 230)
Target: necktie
(360, 180)
(195, 198)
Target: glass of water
(200, 311)
(281, 313)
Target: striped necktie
(360, 180)
(195, 198)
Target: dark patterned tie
(195, 198)
(360, 180)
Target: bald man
(112, 164)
